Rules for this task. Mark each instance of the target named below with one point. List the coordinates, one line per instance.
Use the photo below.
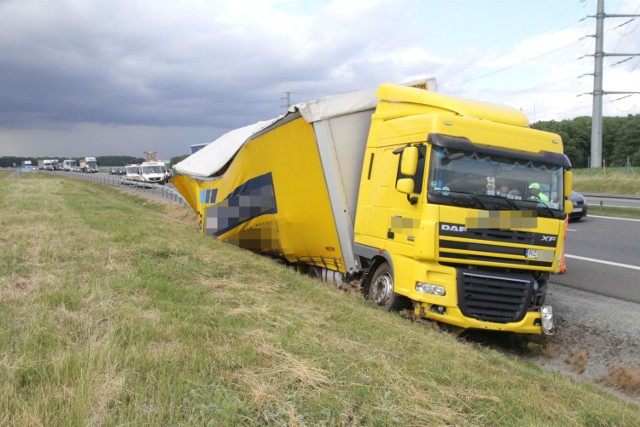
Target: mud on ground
(597, 340)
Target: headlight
(546, 313)
(429, 288)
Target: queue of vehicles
(153, 172)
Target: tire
(381, 290)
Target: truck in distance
(147, 172)
(89, 165)
(426, 200)
(69, 165)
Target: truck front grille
(494, 297)
(458, 244)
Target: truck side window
(419, 176)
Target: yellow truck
(453, 207)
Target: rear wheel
(381, 290)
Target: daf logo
(548, 238)
(455, 228)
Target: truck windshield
(151, 169)
(494, 182)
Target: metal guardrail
(612, 196)
(148, 188)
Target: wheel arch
(372, 258)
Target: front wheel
(381, 290)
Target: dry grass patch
(106, 388)
(623, 378)
(577, 361)
(15, 288)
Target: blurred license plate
(539, 254)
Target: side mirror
(409, 164)
(568, 183)
(568, 207)
(405, 185)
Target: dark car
(579, 206)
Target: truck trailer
(424, 199)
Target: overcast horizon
(98, 78)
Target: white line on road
(613, 217)
(616, 264)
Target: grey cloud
(147, 63)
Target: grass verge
(609, 180)
(115, 310)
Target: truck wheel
(381, 290)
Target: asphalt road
(603, 256)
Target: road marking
(571, 229)
(615, 264)
(614, 217)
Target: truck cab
(447, 217)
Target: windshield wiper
(509, 201)
(539, 204)
(473, 196)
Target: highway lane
(603, 256)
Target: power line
(481, 53)
(508, 67)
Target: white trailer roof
(212, 158)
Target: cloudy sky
(119, 77)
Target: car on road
(579, 206)
(113, 171)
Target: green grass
(6, 173)
(609, 180)
(116, 310)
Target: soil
(597, 340)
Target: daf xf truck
(424, 198)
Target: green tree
(620, 139)
(177, 159)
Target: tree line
(620, 143)
(620, 139)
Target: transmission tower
(287, 100)
(596, 118)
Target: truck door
(391, 215)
